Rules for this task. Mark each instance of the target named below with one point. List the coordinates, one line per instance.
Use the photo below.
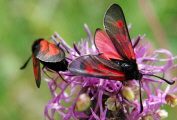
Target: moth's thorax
(129, 68)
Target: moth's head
(36, 44)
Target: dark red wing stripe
(116, 28)
(37, 71)
(95, 66)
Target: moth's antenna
(26, 63)
(141, 105)
(68, 58)
(171, 83)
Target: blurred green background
(21, 22)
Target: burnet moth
(116, 59)
(50, 55)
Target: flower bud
(162, 113)
(147, 117)
(112, 104)
(128, 93)
(171, 100)
(83, 102)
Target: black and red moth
(50, 55)
(116, 59)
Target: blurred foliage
(21, 22)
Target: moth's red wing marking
(53, 50)
(105, 68)
(49, 52)
(105, 45)
(120, 24)
(96, 66)
(49, 47)
(116, 27)
(37, 71)
(44, 45)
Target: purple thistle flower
(105, 102)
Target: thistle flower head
(110, 98)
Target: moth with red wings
(116, 59)
(50, 55)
